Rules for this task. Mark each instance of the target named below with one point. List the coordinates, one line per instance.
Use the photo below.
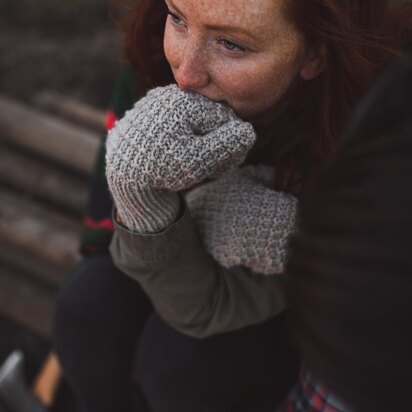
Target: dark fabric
(99, 317)
(97, 223)
(249, 370)
(350, 268)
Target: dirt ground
(71, 47)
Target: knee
(165, 366)
(81, 298)
(99, 302)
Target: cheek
(262, 81)
(255, 88)
(171, 48)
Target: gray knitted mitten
(242, 221)
(168, 142)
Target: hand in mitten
(170, 141)
(242, 221)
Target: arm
(188, 288)
(169, 142)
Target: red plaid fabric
(310, 396)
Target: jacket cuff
(151, 249)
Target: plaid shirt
(310, 396)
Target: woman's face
(242, 52)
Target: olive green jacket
(190, 290)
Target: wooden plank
(25, 302)
(73, 146)
(71, 109)
(47, 234)
(46, 181)
(36, 266)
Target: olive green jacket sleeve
(188, 288)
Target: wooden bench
(47, 154)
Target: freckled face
(243, 52)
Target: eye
(175, 18)
(231, 46)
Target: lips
(214, 99)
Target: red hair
(361, 37)
(143, 25)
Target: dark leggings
(101, 315)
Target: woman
(291, 69)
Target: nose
(192, 71)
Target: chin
(217, 100)
(243, 113)
(246, 112)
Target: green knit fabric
(97, 224)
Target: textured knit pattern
(242, 221)
(310, 396)
(170, 141)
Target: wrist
(148, 211)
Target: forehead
(257, 15)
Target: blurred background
(68, 46)
(58, 61)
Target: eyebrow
(232, 29)
(222, 27)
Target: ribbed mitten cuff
(146, 210)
